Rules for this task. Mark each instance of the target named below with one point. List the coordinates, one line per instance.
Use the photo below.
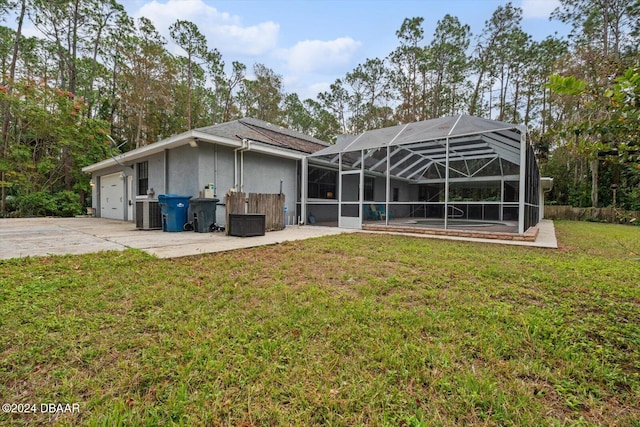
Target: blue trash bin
(175, 210)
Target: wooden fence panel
(271, 205)
(234, 203)
(612, 215)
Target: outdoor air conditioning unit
(148, 215)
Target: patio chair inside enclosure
(380, 209)
(371, 213)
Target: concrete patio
(22, 237)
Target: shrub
(67, 204)
(41, 203)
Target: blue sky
(313, 42)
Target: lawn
(356, 329)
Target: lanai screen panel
(483, 158)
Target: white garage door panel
(111, 196)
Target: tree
(48, 123)
(226, 86)
(6, 105)
(187, 35)
(408, 64)
(370, 92)
(310, 117)
(148, 73)
(495, 35)
(261, 97)
(615, 126)
(602, 30)
(336, 100)
(448, 62)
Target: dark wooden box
(246, 225)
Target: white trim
(188, 138)
(304, 186)
(522, 189)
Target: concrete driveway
(21, 237)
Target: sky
(311, 43)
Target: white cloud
(317, 88)
(536, 9)
(223, 30)
(319, 56)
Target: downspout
(237, 174)
(215, 166)
(166, 171)
(248, 148)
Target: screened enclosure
(451, 172)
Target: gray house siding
(246, 155)
(262, 174)
(157, 172)
(182, 171)
(216, 166)
(188, 170)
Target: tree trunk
(594, 183)
(189, 93)
(7, 107)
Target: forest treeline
(94, 74)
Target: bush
(68, 204)
(41, 203)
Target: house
(246, 155)
(451, 172)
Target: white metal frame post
(388, 186)
(340, 190)
(361, 190)
(303, 190)
(523, 170)
(446, 184)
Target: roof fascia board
(279, 152)
(183, 139)
(147, 150)
(216, 139)
(321, 162)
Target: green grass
(354, 329)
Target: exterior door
(130, 198)
(112, 196)
(349, 207)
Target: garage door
(112, 196)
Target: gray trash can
(202, 213)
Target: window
(143, 178)
(322, 183)
(368, 188)
(396, 194)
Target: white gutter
(184, 139)
(158, 147)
